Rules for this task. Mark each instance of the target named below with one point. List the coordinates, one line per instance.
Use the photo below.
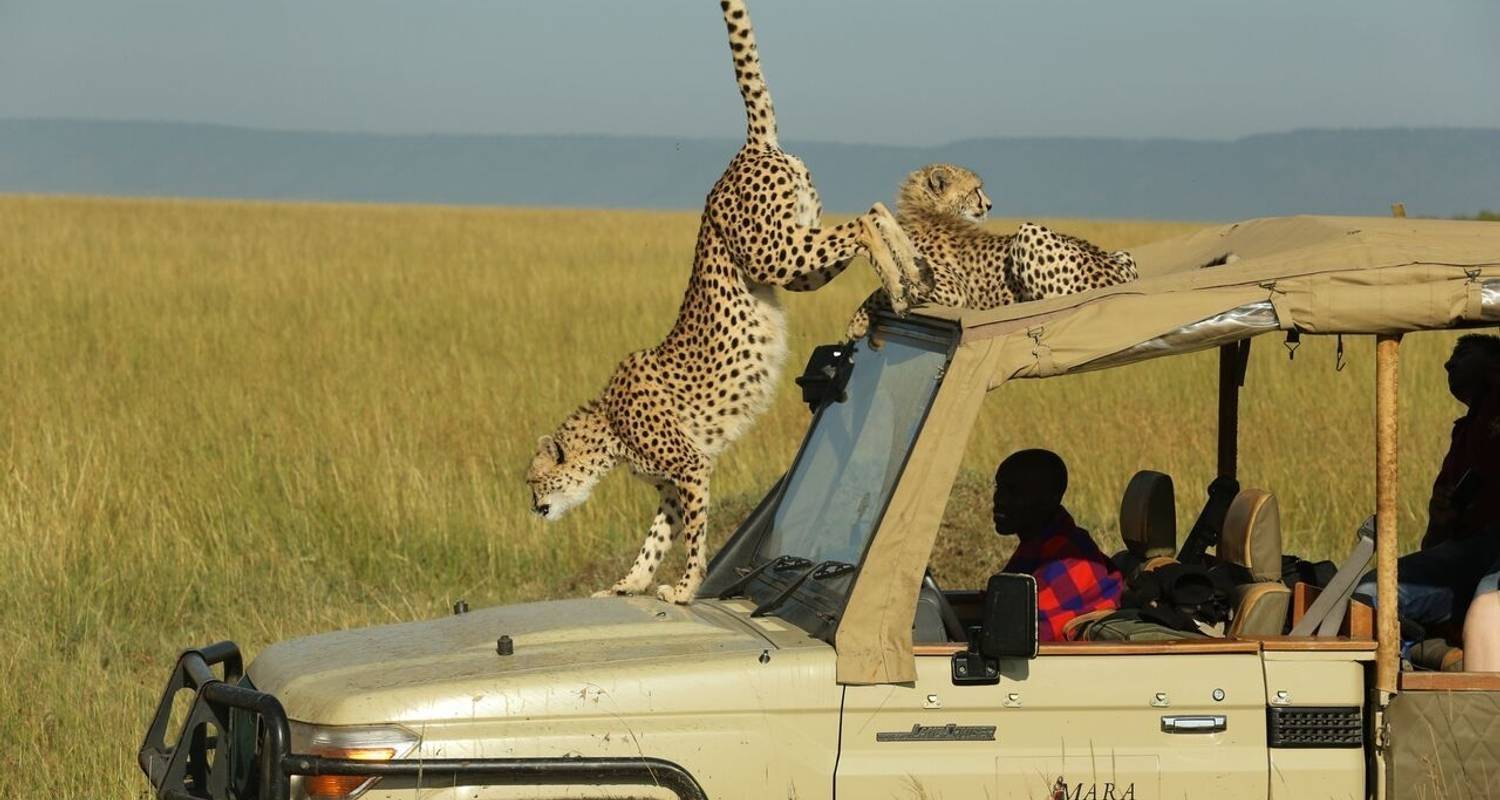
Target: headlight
(361, 742)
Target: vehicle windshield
(837, 490)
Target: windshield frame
(816, 605)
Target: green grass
(256, 421)
(1484, 215)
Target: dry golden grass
(255, 421)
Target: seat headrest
(1252, 535)
(1148, 516)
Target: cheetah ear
(937, 179)
(550, 445)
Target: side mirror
(1008, 630)
(827, 373)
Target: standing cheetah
(940, 208)
(668, 411)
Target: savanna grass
(256, 421)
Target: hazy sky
(868, 71)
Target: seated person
(1473, 455)
(1455, 573)
(1073, 576)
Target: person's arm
(1440, 516)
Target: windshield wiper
(819, 571)
(778, 563)
(831, 569)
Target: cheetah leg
(1022, 272)
(664, 530)
(908, 260)
(888, 233)
(883, 256)
(817, 279)
(810, 257)
(695, 526)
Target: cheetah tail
(760, 117)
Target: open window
(1153, 453)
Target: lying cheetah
(941, 206)
(667, 412)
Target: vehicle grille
(1323, 726)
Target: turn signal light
(356, 743)
(338, 787)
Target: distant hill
(1436, 172)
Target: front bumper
(236, 745)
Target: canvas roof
(1346, 275)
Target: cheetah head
(947, 189)
(568, 464)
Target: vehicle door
(1082, 721)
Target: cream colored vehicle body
(750, 707)
(749, 704)
(831, 689)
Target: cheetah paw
(680, 595)
(900, 305)
(621, 589)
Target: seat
(1252, 544)
(936, 621)
(1148, 523)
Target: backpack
(1185, 597)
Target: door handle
(1208, 723)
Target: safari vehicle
(822, 660)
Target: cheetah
(668, 411)
(940, 207)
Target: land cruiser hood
(442, 668)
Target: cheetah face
(562, 476)
(947, 189)
(976, 206)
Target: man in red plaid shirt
(1073, 576)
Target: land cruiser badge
(940, 733)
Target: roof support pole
(1388, 634)
(1206, 530)
(1232, 358)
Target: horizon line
(102, 121)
